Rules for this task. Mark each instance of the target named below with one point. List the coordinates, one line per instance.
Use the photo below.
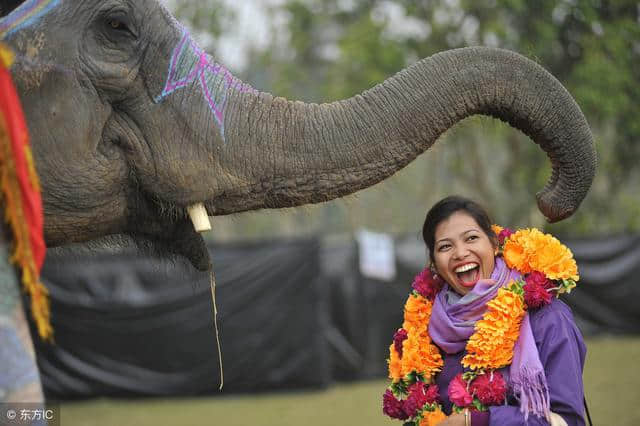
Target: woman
(500, 349)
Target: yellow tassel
(40, 309)
(6, 56)
(31, 169)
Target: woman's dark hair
(444, 208)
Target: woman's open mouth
(468, 274)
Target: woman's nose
(460, 252)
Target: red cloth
(11, 110)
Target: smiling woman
(481, 323)
(461, 243)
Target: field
(612, 382)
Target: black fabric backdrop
(127, 325)
(291, 314)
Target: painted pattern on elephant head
(190, 63)
(34, 66)
(28, 13)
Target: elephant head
(131, 122)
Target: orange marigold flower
(556, 261)
(395, 365)
(531, 250)
(417, 311)
(491, 345)
(419, 354)
(496, 229)
(515, 256)
(432, 418)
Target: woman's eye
(443, 247)
(472, 238)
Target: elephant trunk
(307, 153)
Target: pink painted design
(190, 63)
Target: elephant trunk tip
(555, 207)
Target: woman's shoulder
(556, 332)
(556, 309)
(554, 319)
(554, 313)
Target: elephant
(131, 122)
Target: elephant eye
(120, 25)
(116, 25)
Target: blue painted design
(25, 15)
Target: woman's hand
(456, 419)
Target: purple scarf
(452, 323)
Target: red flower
(535, 290)
(419, 395)
(540, 279)
(490, 389)
(427, 284)
(458, 393)
(503, 235)
(415, 400)
(433, 394)
(392, 407)
(399, 337)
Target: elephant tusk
(199, 217)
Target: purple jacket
(562, 353)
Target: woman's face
(463, 253)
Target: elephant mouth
(182, 240)
(167, 231)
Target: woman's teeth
(465, 268)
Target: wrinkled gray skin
(112, 160)
(116, 157)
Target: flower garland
(548, 269)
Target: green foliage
(333, 49)
(201, 16)
(207, 19)
(366, 59)
(399, 389)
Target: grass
(612, 383)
